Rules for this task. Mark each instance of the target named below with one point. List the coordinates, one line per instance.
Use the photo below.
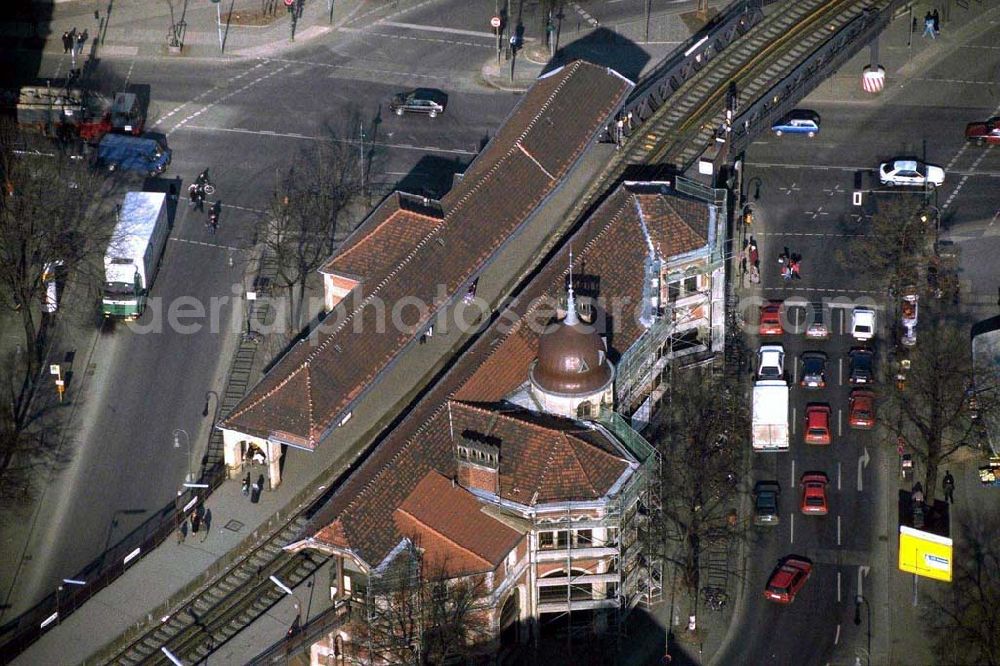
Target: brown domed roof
(572, 358)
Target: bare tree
(897, 248)
(702, 436)
(422, 614)
(48, 216)
(964, 617)
(308, 215)
(930, 410)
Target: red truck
(64, 112)
(984, 133)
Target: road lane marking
(862, 573)
(791, 532)
(204, 244)
(824, 289)
(840, 367)
(863, 460)
(367, 70)
(364, 32)
(836, 638)
(839, 475)
(294, 135)
(793, 472)
(795, 370)
(586, 17)
(840, 422)
(794, 421)
(838, 531)
(435, 28)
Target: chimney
(478, 458)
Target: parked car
(814, 494)
(986, 132)
(863, 324)
(910, 172)
(770, 319)
(799, 121)
(813, 370)
(421, 100)
(909, 309)
(861, 409)
(771, 362)
(862, 365)
(787, 579)
(765, 498)
(817, 430)
(817, 330)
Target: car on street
(765, 500)
(862, 365)
(799, 121)
(813, 370)
(420, 100)
(770, 319)
(817, 430)
(814, 494)
(863, 324)
(787, 579)
(861, 409)
(910, 172)
(984, 133)
(771, 362)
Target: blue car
(132, 153)
(798, 122)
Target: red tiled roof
(447, 522)
(544, 458)
(611, 247)
(309, 389)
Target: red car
(786, 581)
(984, 133)
(861, 412)
(770, 319)
(814, 494)
(817, 424)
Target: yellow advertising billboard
(925, 554)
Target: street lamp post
(177, 445)
(858, 600)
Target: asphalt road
(805, 188)
(245, 121)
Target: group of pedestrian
(196, 196)
(932, 24)
(74, 42)
(252, 490)
(200, 521)
(790, 263)
(751, 260)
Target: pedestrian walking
(937, 22)
(80, 41)
(949, 487)
(246, 484)
(182, 531)
(67, 42)
(929, 26)
(207, 521)
(195, 521)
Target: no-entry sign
(495, 21)
(289, 3)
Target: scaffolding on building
(393, 609)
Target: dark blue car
(132, 153)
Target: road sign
(289, 3)
(495, 21)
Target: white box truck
(770, 415)
(133, 254)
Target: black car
(422, 100)
(813, 370)
(862, 365)
(765, 498)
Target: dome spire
(571, 318)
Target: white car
(910, 172)
(771, 362)
(863, 324)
